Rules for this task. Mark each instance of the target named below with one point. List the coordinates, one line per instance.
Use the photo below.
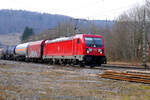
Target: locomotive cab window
(78, 41)
(93, 42)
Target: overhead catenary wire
(105, 13)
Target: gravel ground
(30, 81)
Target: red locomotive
(82, 49)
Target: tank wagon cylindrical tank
(4, 53)
(10, 52)
(21, 51)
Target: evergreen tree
(27, 33)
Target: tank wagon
(21, 51)
(2, 53)
(11, 52)
(8, 52)
(5, 53)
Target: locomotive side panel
(62, 48)
(67, 48)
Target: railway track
(108, 66)
(133, 76)
(125, 73)
(102, 67)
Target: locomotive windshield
(93, 42)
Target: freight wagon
(35, 50)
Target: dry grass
(23, 81)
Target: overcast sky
(89, 9)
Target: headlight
(88, 50)
(100, 51)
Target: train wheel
(26, 60)
(92, 66)
(51, 62)
(81, 64)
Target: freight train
(81, 49)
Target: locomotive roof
(60, 39)
(68, 38)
